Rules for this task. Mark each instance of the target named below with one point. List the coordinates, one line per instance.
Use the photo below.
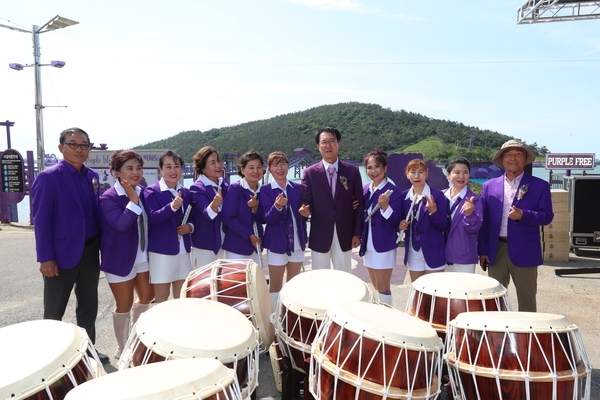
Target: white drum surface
(190, 378)
(38, 353)
(385, 324)
(313, 292)
(255, 284)
(183, 328)
(459, 285)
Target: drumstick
(186, 215)
(412, 205)
(387, 194)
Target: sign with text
(99, 160)
(570, 161)
(11, 169)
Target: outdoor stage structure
(537, 11)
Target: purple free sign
(570, 161)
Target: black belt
(503, 239)
(92, 239)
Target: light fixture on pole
(57, 22)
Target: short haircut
(329, 129)
(246, 157)
(72, 131)
(457, 160)
(120, 157)
(416, 164)
(201, 157)
(169, 153)
(276, 157)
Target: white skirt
(236, 256)
(277, 260)
(375, 260)
(416, 261)
(202, 257)
(137, 269)
(167, 269)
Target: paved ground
(574, 296)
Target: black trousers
(84, 277)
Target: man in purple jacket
(67, 230)
(328, 191)
(515, 205)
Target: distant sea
(542, 173)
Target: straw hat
(512, 144)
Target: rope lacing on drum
(431, 363)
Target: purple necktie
(331, 172)
(416, 240)
(456, 203)
(142, 236)
(365, 231)
(289, 230)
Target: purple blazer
(58, 215)
(327, 212)
(524, 243)
(275, 238)
(385, 231)
(431, 229)
(239, 220)
(207, 231)
(120, 239)
(461, 240)
(163, 221)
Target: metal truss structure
(536, 11)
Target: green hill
(363, 127)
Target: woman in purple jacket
(207, 198)
(425, 221)
(378, 243)
(166, 203)
(465, 216)
(285, 234)
(241, 214)
(123, 245)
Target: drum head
(191, 378)
(33, 360)
(385, 324)
(183, 328)
(204, 282)
(313, 292)
(459, 285)
(512, 321)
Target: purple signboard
(570, 161)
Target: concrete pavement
(574, 296)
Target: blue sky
(139, 71)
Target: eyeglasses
(514, 154)
(328, 142)
(281, 165)
(82, 146)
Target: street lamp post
(57, 22)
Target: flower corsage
(344, 181)
(522, 191)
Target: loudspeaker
(585, 212)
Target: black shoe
(103, 358)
